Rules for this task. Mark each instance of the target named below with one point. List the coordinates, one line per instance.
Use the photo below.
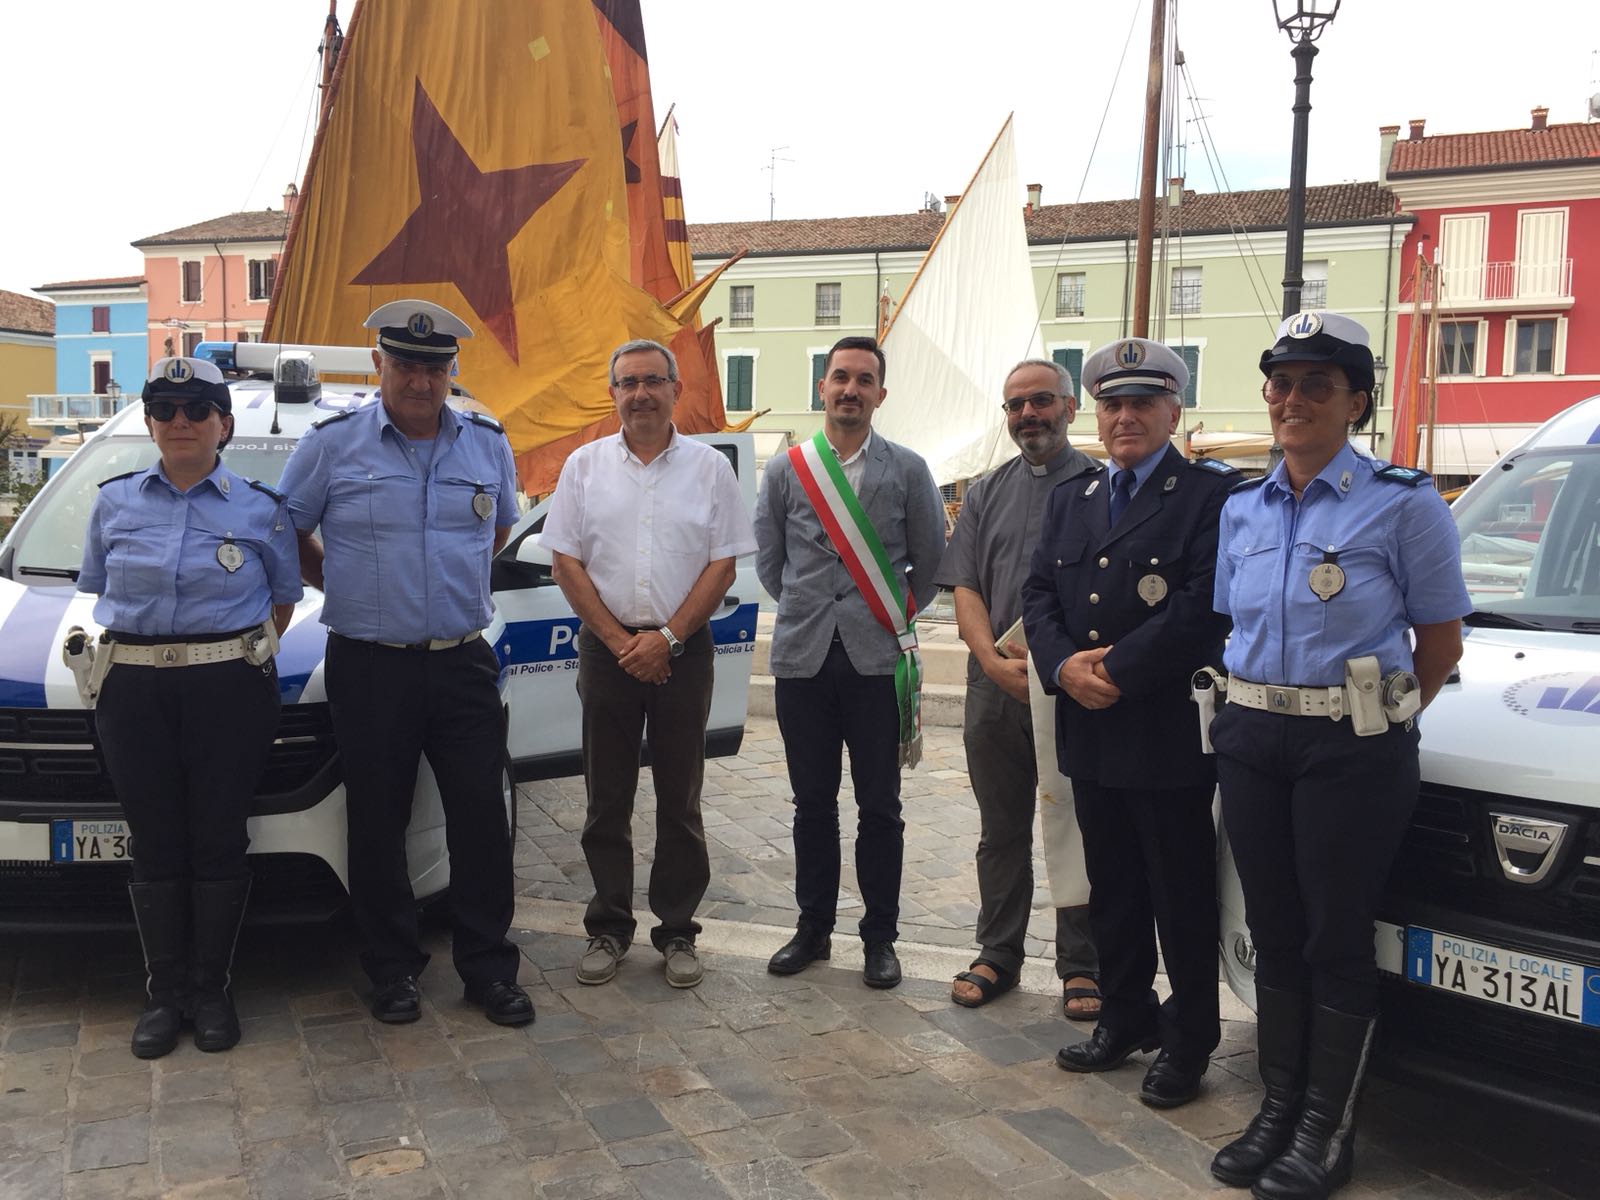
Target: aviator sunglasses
(1318, 389)
(194, 410)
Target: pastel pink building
(213, 281)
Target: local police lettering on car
(1491, 956)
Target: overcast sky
(129, 119)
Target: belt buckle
(175, 655)
(1282, 699)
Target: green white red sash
(822, 479)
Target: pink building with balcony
(213, 281)
(1509, 222)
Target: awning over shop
(1470, 449)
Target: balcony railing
(1504, 281)
(73, 408)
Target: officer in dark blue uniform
(1331, 567)
(413, 498)
(197, 574)
(1118, 614)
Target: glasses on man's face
(1318, 389)
(194, 411)
(629, 382)
(1039, 401)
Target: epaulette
(114, 478)
(1215, 466)
(488, 422)
(332, 417)
(1245, 484)
(272, 492)
(1410, 476)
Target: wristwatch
(674, 646)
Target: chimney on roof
(1175, 191)
(1541, 118)
(1035, 197)
(950, 205)
(1416, 129)
(1387, 136)
(291, 199)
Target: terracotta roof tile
(268, 225)
(67, 285)
(1332, 204)
(1501, 149)
(26, 314)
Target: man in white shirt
(643, 530)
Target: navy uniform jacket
(1082, 592)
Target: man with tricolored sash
(850, 529)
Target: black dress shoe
(1172, 1080)
(1104, 1049)
(397, 1002)
(503, 1001)
(156, 1034)
(803, 949)
(882, 968)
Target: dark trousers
(618, 711)
(186, 747)
(390, 707)
(1152, 863)
(1315, 817)
(818, 717)
(998, 735)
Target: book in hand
(1013, 643)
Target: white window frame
(1183, 280)
(1083, 296)
(817, 315)
(1480, 348)
(1480, 266)
(1561, 254)
(1558, 348)
(735, 321)
(1307, 279)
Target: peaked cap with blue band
(185, 379)
(417, 330)
(1323, 337)
(1135, 367)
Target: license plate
(1513, 978)
(90, 841)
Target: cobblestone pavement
(748, 1086)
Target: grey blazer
(797, 564)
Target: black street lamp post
(1303, 21)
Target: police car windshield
(49, 536)
(1530, 541)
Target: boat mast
(1147, 169)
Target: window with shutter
(100, 318)
(819, 364)
(191, 282)
(739, 392)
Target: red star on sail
(459, 230)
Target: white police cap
(1135, 367)
(187, 379)
(1323, 337)
(417, 330)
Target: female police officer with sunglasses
(1331, 567)
(191, 563)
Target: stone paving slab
(751, 1085)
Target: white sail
(969, 315)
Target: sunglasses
(1318, 389)
(193, 410)
(1039, 401)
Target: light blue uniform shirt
(406, 556)
(151, 554)
(1396, 544)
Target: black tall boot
(161, 911)
(1281, 1054)
(218, 912)
(1321, 1154)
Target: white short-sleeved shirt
(645, 531)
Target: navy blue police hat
(1323, 337)
(184, 379)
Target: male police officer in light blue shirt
(413, 499)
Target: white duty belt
(1370, 701)
(90, 661)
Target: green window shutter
(741, 369)
(1191, 359)
(819, 363)
(1072, 360)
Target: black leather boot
(218, 912)
(161, 911)
(1281, 1053)
(1321, 1154)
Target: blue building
(102, 348)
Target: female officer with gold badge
(1343, 579)
(191, 563)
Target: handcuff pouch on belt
(88, 661)
(1204, 689)
(261, 644)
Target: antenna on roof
(772, 181)
(931, 203)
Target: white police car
(1489, 933)
(63, 843)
